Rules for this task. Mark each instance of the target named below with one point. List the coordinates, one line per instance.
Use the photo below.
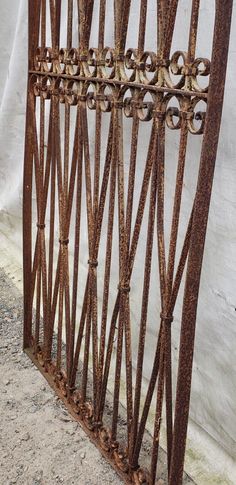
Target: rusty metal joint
(167, 319)
(82, 97)
(160, 115)
(97, 424)
(140, 66)
(186, 115)
(120, 57)
(123, 287)
(83, 58)
(163, 63)
(40, 226)
(64, 242)
(93, 263)
(118, 104)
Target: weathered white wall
(213, 402)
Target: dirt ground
(40, 444)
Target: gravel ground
(40, 444)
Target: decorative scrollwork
(104, 435)
(88, 415)
(202, 68)
(73, 76)
(146, 68)
(75, 400)
(121, 460)
(142, 101)
(141, 477)
(196, 122)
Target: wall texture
(214, 383)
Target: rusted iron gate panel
(163, 90)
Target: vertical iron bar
(200, 217)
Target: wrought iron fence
(67, 181)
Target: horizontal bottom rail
(51, 381)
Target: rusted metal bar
(63, 334)
(33, 22)
(199, 225)
(138, 85)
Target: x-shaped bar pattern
(118, 83)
